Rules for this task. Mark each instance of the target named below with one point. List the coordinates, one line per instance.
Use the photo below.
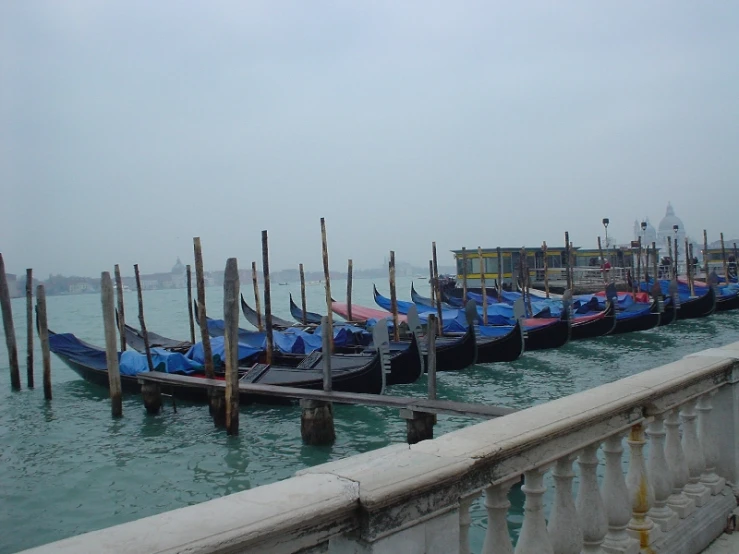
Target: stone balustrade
(675, 427)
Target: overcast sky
(127, 128)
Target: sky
(128, 128)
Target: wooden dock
(411, 404)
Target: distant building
(12, 284)
(666, 228)
(648, 236)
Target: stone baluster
(497, 538)
(693, 456)
(590, 506)
(564, 525)
(707, 431)
(677, 501)
(464, 522)
(617, 501)
(534, 538)
(641, 493)
(659, 476)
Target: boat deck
(408, 403)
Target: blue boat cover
(217, 345)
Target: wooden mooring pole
(327, 276)
(121, 308)
(267, 296)
(546, 268)
(573, 261)
(29, 327)
(420, 425)
(231, 343)
(482, 287)
(43, 335)
(257, 300)
(437, 286)
(142, 323)
(393, 297)
(349, 290)
(434, 300)
(431, 360)
(603, 271)
(723, 259)
(303, 303)
(15, 375)
(317, 416)
(464, 274)
(567, 260)
(705, 254)
(188, 269)
(637, 277)
(111, 349)
(499, 254)
(202, 315)
(690, 268)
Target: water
(67, 467)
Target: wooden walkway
(409, 403)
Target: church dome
(649, 235)
(670, 220)
(178, 268)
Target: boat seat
(311, 360)
(254, 373)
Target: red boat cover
(360, 313)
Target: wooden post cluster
(15, 375)
(142, 323)
(393, 296)
(303, 303)
(329, 304)
(202, 314)
(317, 416)
(464, 274)
(257, 300)
(231, 344)
(188, 269)
(29, 327)
(348, 291)
(267, 296)
(121, 307)
(111, 349)
(482, 287)
(437, 288)
(43, 335)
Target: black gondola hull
(501, 349)
(698, 307)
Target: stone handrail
(417, 498)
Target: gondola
(252, 317)
(507, 348)
(641, 322)
(726, 302)
(549, 335)
(701, 306)
(669, 314)
(311, 318)
(405, 359)
(600, 325)
(420, 300)
(363, 374)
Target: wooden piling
(142, 324)
(705, 253)
(500, 272)
(189, 303)
(431, 282)
(567, 260)
(267, 296)
(202, 315)
(231, 344)
(656, 262)
(437, 286)
(121, 307)
(637, 280)
(602, 263)
(15, 375)
(672, 258)
(29, 327)
(546, 268)
(688, 267)
(349, 290)
(482, 287)
(152, 395)
(257, 300)
(111, 349)
(327, 276)
(723, 259)
(464, 274)
(419, 425)
(317, 417)
(431, 359)
(674, 265)
(393, 296)
(43, 335)
(573, 261)
(303, 303)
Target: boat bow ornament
(676, 426)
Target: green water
(67, 467)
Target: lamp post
(606, 221)
(675, 228)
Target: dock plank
(401, 402)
